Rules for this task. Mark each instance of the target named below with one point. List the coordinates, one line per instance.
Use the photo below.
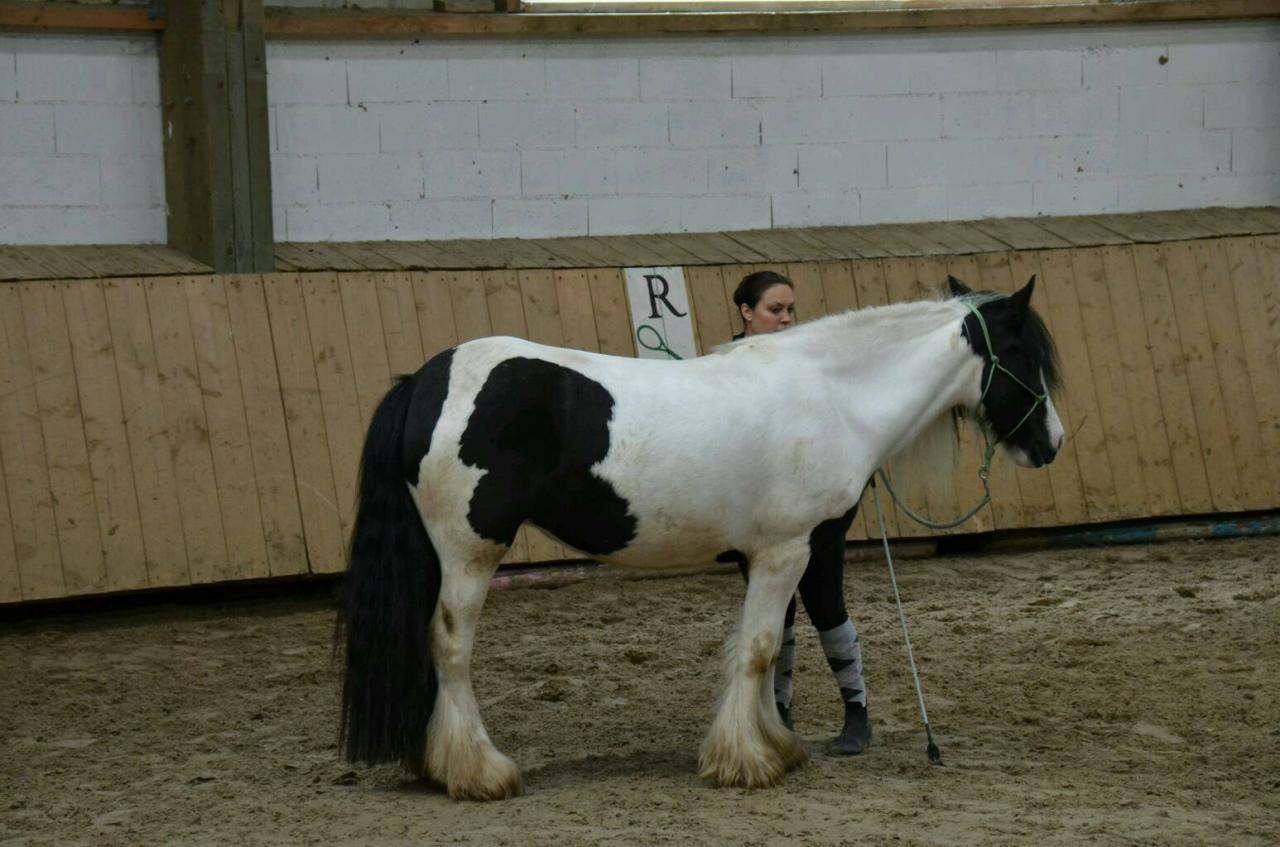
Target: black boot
(856, 735)
(785, 713)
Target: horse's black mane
(1035, 335)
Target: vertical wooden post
(217, 158)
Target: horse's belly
(671, 547)
(665, 542)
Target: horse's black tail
(388, 597)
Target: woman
(767, 303)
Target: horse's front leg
(748, 744)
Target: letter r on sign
(660, 289)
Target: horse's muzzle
(1042, 454)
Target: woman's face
(776, 310)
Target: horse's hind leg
(460, 755)
(748, 744)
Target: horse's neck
(894, 371)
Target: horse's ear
(1020, 300)
(958, 288)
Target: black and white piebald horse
(653, 465)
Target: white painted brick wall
(607, 136)
(1090, 113)
(541, 217)
(850, 72)
(1204, 63)
(1039, 69)
(621, 125)
(415, 127)
(578, 172)
(81, 154)
(954, 70)
(903, 205)
(627, 215)
(716, 123)
(134, 182)
(843, 166)
(543, 137)
(828, 121)
(817, 209)
(1076, 197)
(539, 125)
(8, 70)
(295, 181)
(894, 118)
(82, 224)
(1152, 108)
(659, 171)
(790, 76)
(595, 76)
(486, 72)
(312, 80)
(1193, 152)
(435, 219)
(43, 73)
(704, 214)
(1114, 65)
(400, 79)
(1254, 151)
(966, 202)
(26, 128)
(326, 129)
(1242, 105)
(339, 221)
(686, 78)
(344, 179)
(988, 115)
(50, 180)
(480, 175)
(752, 170)
(89, 129)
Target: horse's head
(1019, 373)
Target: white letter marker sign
(660, 315)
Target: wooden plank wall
(181, 430)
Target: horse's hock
(163, 426)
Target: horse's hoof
(785, 713)
(730, 768)
(500, 784)
(485, 794)
(786, 745)
(855, 737)
(480, 773)
(761, 774)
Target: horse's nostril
(1052, 451)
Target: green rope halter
(984, 472)
(995, 365)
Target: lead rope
(984, 473)
(935, 755)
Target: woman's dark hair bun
(754, 285)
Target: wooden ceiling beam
(874, 16)
(75, 17)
